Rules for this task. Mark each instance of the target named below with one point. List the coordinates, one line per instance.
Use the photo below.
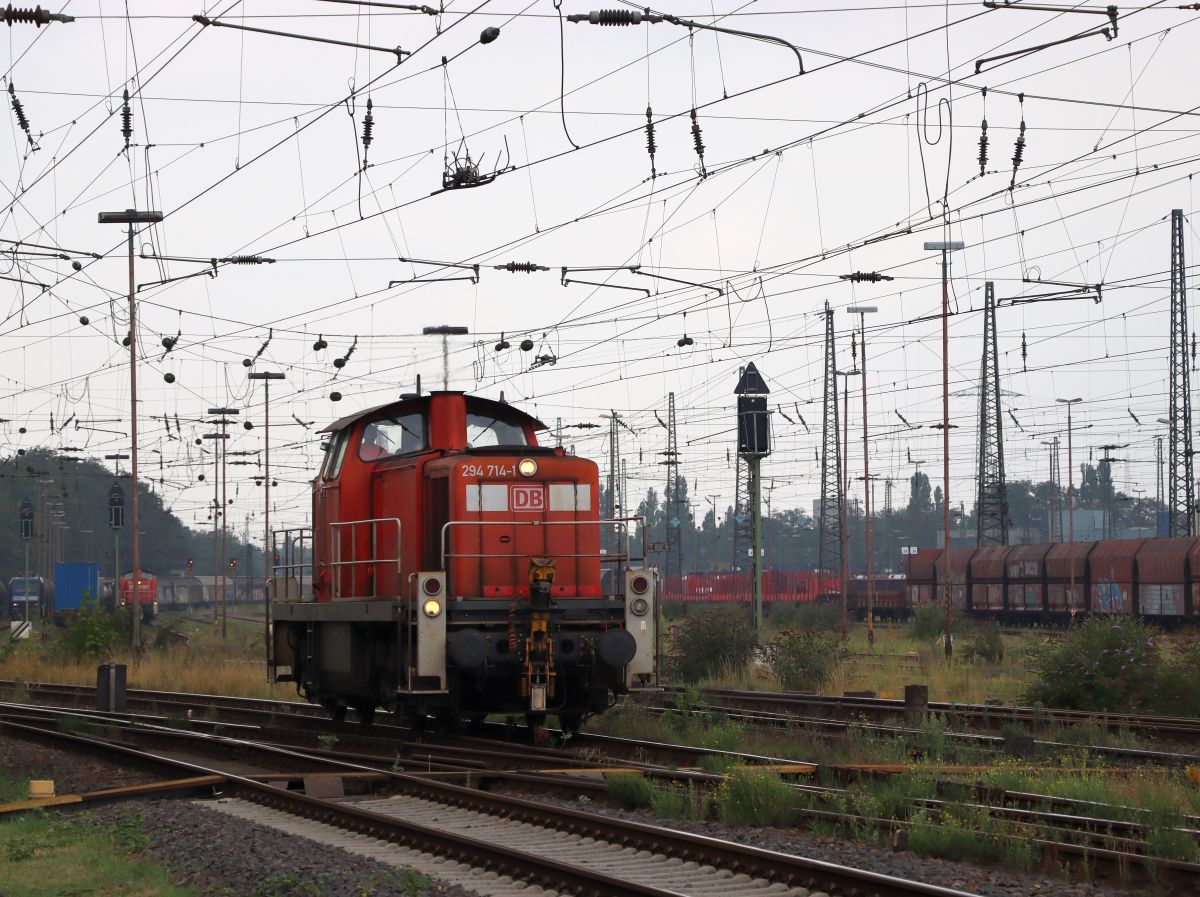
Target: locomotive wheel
(537, 728)
(570, 723)
(337, 711)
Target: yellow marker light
(432, 607)
(527, 467)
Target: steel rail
(772, 865)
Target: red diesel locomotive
(456, 568)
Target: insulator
(522, 267)
(126, 118)
(244, 260)
(651, 146)
(320, 343)
(685, 341)
(502, 345)
(854, 345)
(36, 16)
(339, 363)
(1019, 148)
(698, 139)
(1024, 352)
(865, 277)
(368, 127)
(983, 145)
(168, 343)
(19, 112)
(615, 17)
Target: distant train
(147, 594)
(1156, 579)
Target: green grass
(47, 856)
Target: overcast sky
(251, 144)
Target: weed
(676, 801)
(757, 797)
(20, 849)
(630, 791)
(805, 659)
(327, 741)
(411, 881)
(718, 764)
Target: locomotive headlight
(527, 467)
(432, 607)
(639, 606)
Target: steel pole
(946, 455)
(756, 487)
(867, 489)
(843, 477)
(135, 602)
(1070, 497)
(224, 527)
(267, 520)
(26, 596)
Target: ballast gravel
(987, 881)
(219, 855)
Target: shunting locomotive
(456, 568)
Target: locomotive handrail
(335, 545)
(294, 566)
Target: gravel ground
(226, 856)
(990, 881)
(213, 852)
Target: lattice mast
(829, 558)
(1054, 494)
(991, 506)
(743, 526)
(1181, 486)
(671, 498)
(612, 505)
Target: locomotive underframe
(363, 654)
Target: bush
(1177, 693)
(1108, 663)
(711, 642)
(631, 791)
(92, 633)
(928, 623)
(805, 659)
(986, 644)
(757, 797)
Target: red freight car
(460, 569)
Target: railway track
(978, 715)
(1060, 829)
(565, 849)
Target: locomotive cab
(459, 568)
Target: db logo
(528, 498)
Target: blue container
(73, 583)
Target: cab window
(390, 436)
(484, 430)
(335, 454)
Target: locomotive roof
(474, 403)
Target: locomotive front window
(484, 430)
(392, 436)
(335, 454)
